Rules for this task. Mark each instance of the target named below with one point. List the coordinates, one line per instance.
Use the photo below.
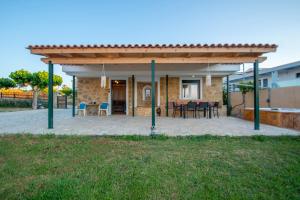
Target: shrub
(7, 83)
(20, 103)
(66, 90)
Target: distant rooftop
(249, 72)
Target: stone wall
(280, 119)
(89, 90)
(173, 92)
(213, 92)
(143, 108)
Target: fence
(12, 95)
(62, 102)
(286, 97)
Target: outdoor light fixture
(208, 77)
(103, 77)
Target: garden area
(23, 90)
(141, 167)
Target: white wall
(288, 74)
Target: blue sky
(25, 22)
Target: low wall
(281, 119)
(287, 97)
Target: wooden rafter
(125, 55)
(144, 60)
(66, 55)
(88, 55)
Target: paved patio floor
(35, 122)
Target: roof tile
(239, 45)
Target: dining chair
(176, 107)
(215, 109)
(190, 106)
(103, 107)
(202, 106)
(82, 108)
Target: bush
(20, 103)
(7, 83)
(66, 90)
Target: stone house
(178, 72)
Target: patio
(35, 122)
(152, 75)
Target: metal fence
(62, 102)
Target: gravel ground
(35, 122)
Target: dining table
(92, 109)
(183, 106)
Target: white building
(281, 76)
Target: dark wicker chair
(215, 109)
(190, 107)
(175, 108)
(202, 107)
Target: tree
(21, 77)
(7, 83)
(245, 87)
(37, 80)
(66, 90)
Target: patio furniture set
(208, 109)
(103, 107)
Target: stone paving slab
(35, 122)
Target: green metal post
(256, 96)
(73, 97)
(50, 96)
(153, 93)
(167, 95)
(132, 95)
(228, 96)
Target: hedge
(21, 103)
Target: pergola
(152, 55)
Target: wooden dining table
(92, 109)
(183, 105)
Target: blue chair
(103, 107)
(82, 108)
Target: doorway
(118, 96)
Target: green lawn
(132, 167)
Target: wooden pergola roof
(142, 54)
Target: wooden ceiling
(141, 54)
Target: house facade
(137, 79)
(124, 90)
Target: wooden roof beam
(146, 60)
(66, 55)
(88, 55)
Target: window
(190, 89)
(259, 83)
(147, 93)
(298, 75)
(265, 82)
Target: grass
(13, 109)
(137, 167)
